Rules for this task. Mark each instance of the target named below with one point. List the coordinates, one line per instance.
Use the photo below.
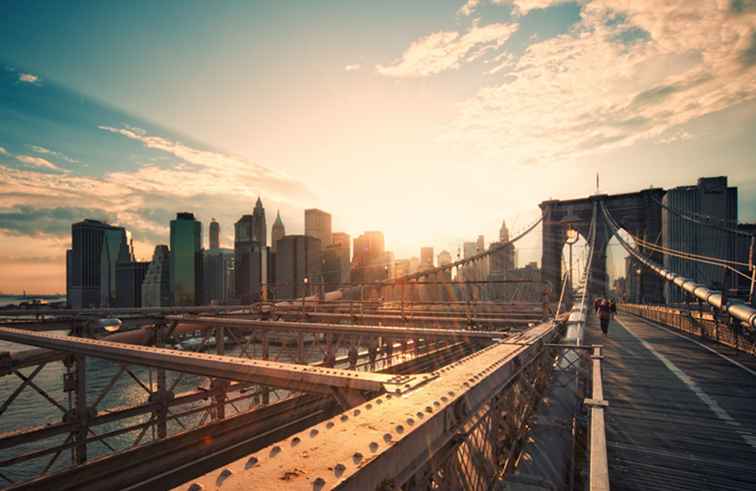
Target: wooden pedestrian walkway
(680, 416)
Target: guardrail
(598, 464)
(722, 329)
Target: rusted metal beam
(381, 442)
(313, 327)
(301, 378)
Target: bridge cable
(691, 216)
(735, 308)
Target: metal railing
(720, 328)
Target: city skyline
(391, 133)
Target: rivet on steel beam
(344, 417)
(369, 406)
(379, 401)
(196, 487)
(387, 437)
(275, 451)
(295, 441)
(357, 458)
(318, 484)
(419, 414)
(339, 469)
(225, 474)
(250, 463)
(356, 412)
(436, 403)
(428, 409)
(314, 433)
(410, 421)
(329, 425)
(399, 429)
(373, 447)
(451, 393)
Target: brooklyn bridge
(415, 382)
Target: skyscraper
(260, 227)
(298, 257)
(85, 275)
(130, 277)
(115, 250)
(186, 260)
(251, 257)
(369, 257)
(318, 225)
(214, 234)
(503, 232)
(277, 232)
(218, 271)
(445, 258)
(710, 197)
(426, 258)
(156, 287)
(343, 242)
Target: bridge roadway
(681, 410)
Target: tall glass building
(186, 260)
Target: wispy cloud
(468, 8)
(352, 68)
(588, 90)
(520, 7)
(447, 50)
(47, 151)
(38, 162)
(28, 78)
(3, 151)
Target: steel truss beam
(416, 319)
(169, 462)
(383, 442)
(301, 378)
(350, 329)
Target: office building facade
(186, 260)
(156, 287)
(214, 234)
(711, 199)
(219, 272)
(318, 225)
(130, 277)
(85, 262)
(277, 232)
(298, 257)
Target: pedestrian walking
(605, 314)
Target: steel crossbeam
(302, 378)
(386, 440)
(313, 327)
(417, 319)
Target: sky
(432, 121)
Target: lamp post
(572, 237)
(304, 292)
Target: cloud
(47, 151)
(520, 7)
(352, 68)
(28, 78)
(588, 90)
(447, 50)
(468, 8)
(33, 221)
(3, 151)
(38, 162)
